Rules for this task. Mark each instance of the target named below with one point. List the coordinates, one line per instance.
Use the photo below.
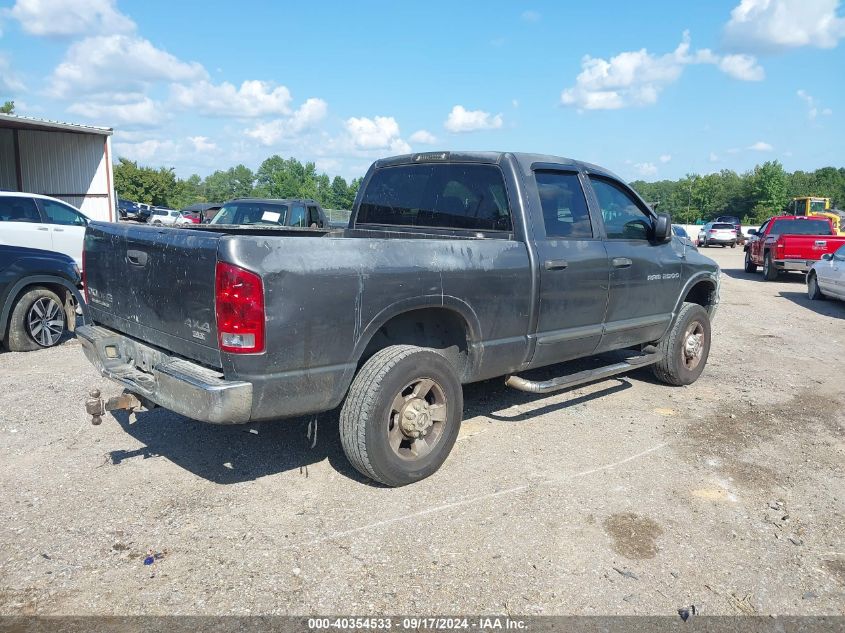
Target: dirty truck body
(474, 265)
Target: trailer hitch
(97, 407)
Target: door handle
(43, 228)
(555, 264)
(621, 262)
(58, 230)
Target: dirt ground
(624, 497)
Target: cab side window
(565, 212)
(623, 217)
(313, 217)
(297, 215)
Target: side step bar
(583, 377)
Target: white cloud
(202, 144)
(306, 116)
(646, 169)
(9, 80)
(530, 16)
(770, 25)
(66, 18)
(760, 146)
(742, 67)
(151, 150)
(813, 105)
(636, 78)
(381, 132)
(253, 99)
(714, 157)
(462, 120)
(118, 62)
(423, 136)
(665, 158)
(138, 111)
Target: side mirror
(827, 257)
(663, 228)
(752, 231)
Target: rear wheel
(750, 266)
(402, 415)
(37, 320)
(733, 244)
(770, 271)
(685, 347)
(813, 290)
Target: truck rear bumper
(173, 383)
(794, 264)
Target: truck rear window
(723, 226)
(252, 212)
(801, 227)
(456, 196)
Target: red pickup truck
(790, 242)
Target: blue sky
(650, 90)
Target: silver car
(827, 276)
(717, 234)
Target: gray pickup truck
(455, 268)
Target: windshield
(801, 227)
(816, 206)
(251, 213)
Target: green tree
(8, 108)
(768, 190)
(339, 194)
(235, 182)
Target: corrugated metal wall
(8, 180)
(67, 166)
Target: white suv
(36, 221)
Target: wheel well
(438, 328)
(703, 293)
(63, 293)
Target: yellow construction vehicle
(809, 205)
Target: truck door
(573, 271)
(645, 277)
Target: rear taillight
(712, 231)
(239, 305)
(83, 275)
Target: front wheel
(813, 290)
(685, 347)
(770, 271)
(402, 415)
(750, 266)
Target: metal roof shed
(64, 160)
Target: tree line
(752, 196)
(276, 177)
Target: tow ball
(97, 407)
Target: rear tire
(750, 266)
(770, 271)
(38, 320)
(402, 415)
(733, 244)
(685, 347)
(813, 290)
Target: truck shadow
(238, 453)
(828, 307)
(739, 273)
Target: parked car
(38, 297)
(128, 210)
(161, 215)
(827, 276)
(790, 242)
(36, 221)
(457, 267)
(732, 220)
(294, 212)
(185, 217)
(718, 234)
(203, 210)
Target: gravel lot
(624, 497)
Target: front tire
(37, 321)
(770, 271)
(402, 415)
(685, 347)
(750, 266)
(813, 290)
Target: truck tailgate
(809, 247)
(156, 285)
